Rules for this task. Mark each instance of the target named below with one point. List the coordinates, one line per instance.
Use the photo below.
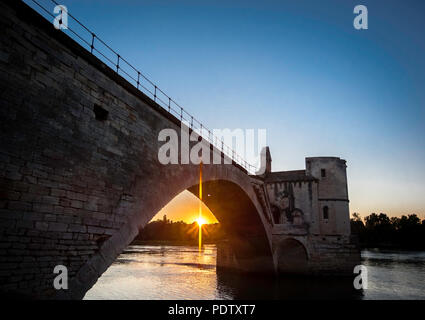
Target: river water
(181, 272)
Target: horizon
(155, 219)
(185, 207)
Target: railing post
(181, 114)
(92, 42)
(154, 95)
(118, 62)
(169, 104)
(138, 79)
(191, 122)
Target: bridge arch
(292, 256)
(228, 193)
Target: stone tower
(334, 215)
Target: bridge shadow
(245, 287)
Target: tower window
(323, 173)
(325, 213)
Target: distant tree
(410, 232)
(168, 230)
(379, 230)
(357, 225)
(395, 221)
(357, 217)
(376, 221)
(406, 232)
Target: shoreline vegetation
(166, 231)
(375, 231)
(395, 233)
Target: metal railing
(88, 39)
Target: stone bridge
(80, 174)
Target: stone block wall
(333, 255)
(76, 184)
(305, 199)
(63, 172)
(321, 255)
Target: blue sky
(298, 69)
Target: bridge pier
(253, 263)
(297, 255)
(315, 255)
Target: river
(181, 272)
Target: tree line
(381, 231)
(167, 230)
(373, 231)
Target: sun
(200, 221)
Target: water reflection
(394, 274)
(181, 272)
(287, 288)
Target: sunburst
(200, 221)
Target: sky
(298, 69)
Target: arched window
(325, 212)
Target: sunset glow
(200, 221)
(185, 207)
